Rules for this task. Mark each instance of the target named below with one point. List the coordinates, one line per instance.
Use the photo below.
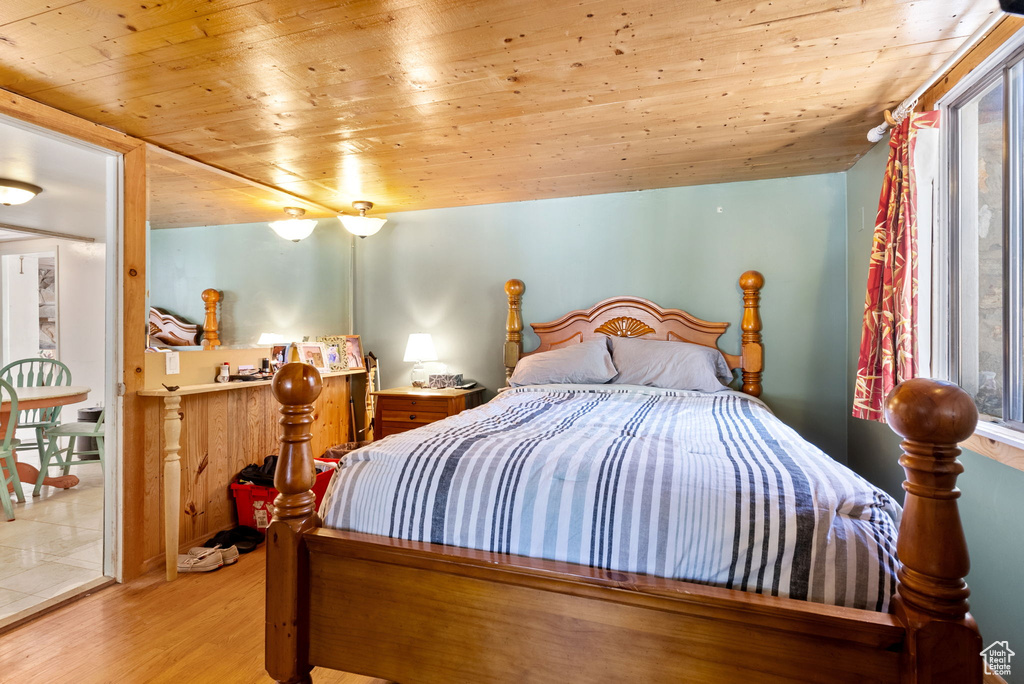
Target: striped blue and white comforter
(710, 488)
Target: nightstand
(405, 408)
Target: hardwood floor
(200, 628)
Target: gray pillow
(671, 365)
(587, 363)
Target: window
(978, 339)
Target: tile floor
(55, 542)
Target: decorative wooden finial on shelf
(752, 350)
(211, 337)
(943, 644)
(514, 325)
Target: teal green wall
(269, 284)
(992, 504)
(442, 271)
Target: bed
(535, 603)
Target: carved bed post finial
(296, 386)
(514, 325)
(211, 338)
(943, 643)
(752, 351)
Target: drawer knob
(413, 402)
(412, 416)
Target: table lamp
(419, 349)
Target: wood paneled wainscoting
(223, 428)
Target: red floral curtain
(888, 344)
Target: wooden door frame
(131, 287)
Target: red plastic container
(255, 503)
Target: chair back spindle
(9, 480)
(37, 373)
(8, 393)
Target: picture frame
(334, 346)
(354, 353)
(278, 356)
(314, 354)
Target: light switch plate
(172, 366)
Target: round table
(42, 397)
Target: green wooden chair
(37, 373)
(63, 458)
(9, 469)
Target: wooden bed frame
(171, 330)
(414, 612)
(175, 331)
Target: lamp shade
(270, 339)
(420, 348)
(363, 226)
(17, 192)
(294, 229)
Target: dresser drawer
(407, 408)
(413, 415)
(389, 429)
(414, 405)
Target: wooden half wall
(221, 433)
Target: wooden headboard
(172, 330)
(636, 317)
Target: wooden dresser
(405, 408)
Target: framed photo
(314, 354)
(278, 356)
(334, 347)
(354, 352)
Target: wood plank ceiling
(184, 193)
(415, 104)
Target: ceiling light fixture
(295, 228)
(17, 192)
(361, 225)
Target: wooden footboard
(415, 612)
(421, 613)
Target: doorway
(58, 306)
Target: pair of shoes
(245, 538)
(228, 555)
(207, 560)
(203, 559)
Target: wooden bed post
(752, 351)
(513, 325)
(211, 336)
(296, 386)
(943, 644)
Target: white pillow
(670, 365)
(586, 363)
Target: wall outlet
(172, 366)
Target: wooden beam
(135, 322)
(30, 111)
(1002, 32)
